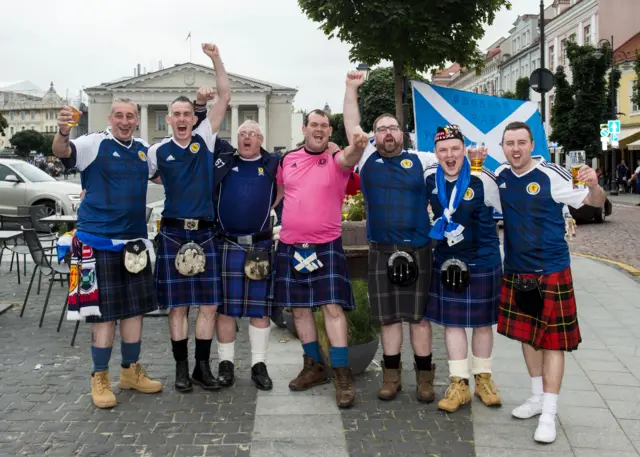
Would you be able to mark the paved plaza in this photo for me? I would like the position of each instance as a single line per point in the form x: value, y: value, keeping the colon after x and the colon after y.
x: 46, y: 410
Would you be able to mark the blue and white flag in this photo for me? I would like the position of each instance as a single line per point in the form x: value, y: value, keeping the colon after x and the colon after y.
x: 481, y: 118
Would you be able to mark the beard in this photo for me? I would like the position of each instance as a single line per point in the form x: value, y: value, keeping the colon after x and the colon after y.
x: 388, y: 146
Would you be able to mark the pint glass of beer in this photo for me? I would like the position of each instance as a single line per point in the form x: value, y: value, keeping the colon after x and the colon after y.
x: 76, y: 117
x: 476, y: 159
x: 578, y: 160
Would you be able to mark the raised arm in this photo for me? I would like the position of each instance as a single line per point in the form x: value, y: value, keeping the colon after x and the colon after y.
x: 596, y: 196
x: 351, y: 155
x: 60, y: 145
x: 219, y: 108
x: 351, y: 110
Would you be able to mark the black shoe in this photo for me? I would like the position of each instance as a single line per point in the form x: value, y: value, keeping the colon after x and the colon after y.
x: 183, y: 382
x: 260, y: 376
x: 226, y: 374
x: 203, y: 377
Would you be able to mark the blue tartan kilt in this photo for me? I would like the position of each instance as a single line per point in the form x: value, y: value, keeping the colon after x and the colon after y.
x: 241, y: 296
x: 122, y: 294
x: 176, y: 290
x: 477, y: 306
x: 327, y: 285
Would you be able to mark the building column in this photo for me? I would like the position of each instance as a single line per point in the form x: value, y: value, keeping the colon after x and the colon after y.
x: 144, y: 122
x: 262, y: 120
x: 169, y: 129
x: 234, y: 126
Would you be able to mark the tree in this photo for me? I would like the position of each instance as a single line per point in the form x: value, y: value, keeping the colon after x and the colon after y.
x: 614, y: 77
x: 377, y: 97
x: 509, y: 94
x: 562, y: 111
x: 47, y: 144
x: 522, y: 88
x: 589, y: 90
x: 3, y: 124
x: 27, y: 141
x: 415, y: 35
x: 339, y: 135
x: 636, y: 87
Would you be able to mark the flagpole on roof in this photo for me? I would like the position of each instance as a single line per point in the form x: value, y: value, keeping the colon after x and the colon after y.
x: 189, y: 38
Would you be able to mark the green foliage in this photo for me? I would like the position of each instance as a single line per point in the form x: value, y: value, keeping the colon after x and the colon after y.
x: 360, y: 327
x: 27, y: 141
x: 522, y: 88
x: 614, y: 77
x: 561, y: 111
x: 415, y: 35
x: 636, y: 87
x: 3, y: 124
x: 590, y: 100
x: 509, y: 94
x: 339, y: 135
x: 357, y: 211
x: 47, y: 144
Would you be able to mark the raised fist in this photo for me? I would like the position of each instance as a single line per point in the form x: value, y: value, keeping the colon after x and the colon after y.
x: 64, y: 117
x: 211, y: 50
x: 355, y: 78
x: 204, y: 94
x: 360, y: 140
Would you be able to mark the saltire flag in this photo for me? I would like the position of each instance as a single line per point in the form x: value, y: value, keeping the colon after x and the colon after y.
x: 481, y: 118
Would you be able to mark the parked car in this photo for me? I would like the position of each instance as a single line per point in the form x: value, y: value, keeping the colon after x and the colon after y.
x: 22, y: 184
x: 591, y: 213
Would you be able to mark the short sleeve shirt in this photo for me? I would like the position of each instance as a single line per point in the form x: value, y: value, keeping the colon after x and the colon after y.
x: 314, y: 190
x: 532, y: 206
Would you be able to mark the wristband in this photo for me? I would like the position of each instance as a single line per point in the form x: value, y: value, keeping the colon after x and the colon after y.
x: 62, y: 134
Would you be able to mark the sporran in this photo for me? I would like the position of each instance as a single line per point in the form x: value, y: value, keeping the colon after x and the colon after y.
x: 402, y: 269
x: 528, y: 295
x: 135, y: 257
x: 455, y: 275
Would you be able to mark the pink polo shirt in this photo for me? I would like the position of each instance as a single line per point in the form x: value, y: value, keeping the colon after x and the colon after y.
x: 314, y: 189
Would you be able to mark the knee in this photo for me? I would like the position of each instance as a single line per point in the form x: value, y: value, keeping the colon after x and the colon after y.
x: 333, y: 311
x: 483, y: 331
x: 301, y: 313
x: 423, y: 325
x: 208, y: 312
x: 260, y: 322
x: 178, y: 312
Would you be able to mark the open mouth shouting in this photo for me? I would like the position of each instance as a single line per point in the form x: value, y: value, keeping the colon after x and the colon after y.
x: 182, y: 129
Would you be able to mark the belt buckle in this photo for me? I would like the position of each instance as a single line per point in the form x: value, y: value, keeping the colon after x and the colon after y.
x: 245, y: 239
x: 191, y: 224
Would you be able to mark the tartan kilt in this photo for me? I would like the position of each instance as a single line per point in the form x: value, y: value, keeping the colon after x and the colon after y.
x: 477, y: 306
x: 327, y: 285
x: 122, y: 294
x: 390, y: 303
x: 241, y: 296
x: 556, y: 328
x: 175, y: 290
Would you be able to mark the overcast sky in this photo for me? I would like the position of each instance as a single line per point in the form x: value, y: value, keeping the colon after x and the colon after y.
x: 79, y: 44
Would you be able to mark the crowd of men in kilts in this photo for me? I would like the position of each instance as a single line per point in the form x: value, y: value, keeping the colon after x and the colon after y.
x: 244, y: 231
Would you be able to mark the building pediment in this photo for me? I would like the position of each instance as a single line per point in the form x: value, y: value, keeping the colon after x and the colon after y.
x: 187, y: 75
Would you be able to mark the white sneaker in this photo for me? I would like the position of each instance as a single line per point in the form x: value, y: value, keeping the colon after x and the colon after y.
x: 531, y: 407
x: 546, y: 431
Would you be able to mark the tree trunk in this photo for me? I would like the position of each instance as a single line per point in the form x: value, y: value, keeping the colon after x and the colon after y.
x: 398, y: 73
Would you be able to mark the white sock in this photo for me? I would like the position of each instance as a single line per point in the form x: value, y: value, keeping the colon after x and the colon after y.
x: 479, y: 366
x: 549, y: 407
x: 536, y: 387
x: 259, y: 338
x: 459, y: 368
x: 226, y: 351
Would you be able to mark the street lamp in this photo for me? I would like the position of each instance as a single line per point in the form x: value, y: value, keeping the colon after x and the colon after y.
x: 364, y: 68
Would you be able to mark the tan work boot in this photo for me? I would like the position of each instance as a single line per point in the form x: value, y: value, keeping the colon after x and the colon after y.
x: 135, y: 377
x: 424, y: 379
x: 312, y: 374
x: 343, y: 382
x: 101, y: 392
x: 457, y: 394
x: 486, y: 390
x: 391, y: 382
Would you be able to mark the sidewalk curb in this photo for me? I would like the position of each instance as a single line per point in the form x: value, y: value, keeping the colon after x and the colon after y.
x: 633, y: 272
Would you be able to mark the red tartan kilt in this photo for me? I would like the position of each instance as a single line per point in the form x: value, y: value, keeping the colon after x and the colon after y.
x: 556, y: 328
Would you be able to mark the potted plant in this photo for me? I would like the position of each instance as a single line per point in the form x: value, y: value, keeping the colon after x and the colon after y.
x: 361, y: 331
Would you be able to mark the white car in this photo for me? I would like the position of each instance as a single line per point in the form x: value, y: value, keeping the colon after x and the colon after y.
x: 22, y: 184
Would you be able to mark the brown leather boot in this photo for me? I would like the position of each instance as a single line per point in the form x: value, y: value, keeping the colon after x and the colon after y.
x: 424, y: 379
x: 343, y: 382
x: 312, y: 374
x: 391, y: 382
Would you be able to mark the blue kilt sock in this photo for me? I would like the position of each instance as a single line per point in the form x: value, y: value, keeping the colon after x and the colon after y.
x: 339, y: 357
x: 101, y: 357
x: 130, y: 353
x: 312, y: 350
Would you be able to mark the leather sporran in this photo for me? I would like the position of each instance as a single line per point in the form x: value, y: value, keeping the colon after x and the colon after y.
x: 528, y: 295
x: 135, y: 256
x: 257, y: 265
x: 190, y: 259
x: 455, y: 275
x: 402, y: 269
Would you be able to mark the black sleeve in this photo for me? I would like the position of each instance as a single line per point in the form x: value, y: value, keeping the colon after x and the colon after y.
x: 222, y: 146
x: 70, y: 161
x: 201, y: 115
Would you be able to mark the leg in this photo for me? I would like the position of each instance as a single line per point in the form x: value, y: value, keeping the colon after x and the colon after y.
x: 552, y: 373
x: 259, y: 331
x: 101, y: 344
x: 391, y: 336
x: 179, y: 332
x: 133, y: 374
x: 458, y: 393
x: 481, y: 366
x: 533, y: 406
x: 314, y: 372
x: 226, y: 334
x: 425, y: 370
x: 205, y: 325
x: 335, y: 323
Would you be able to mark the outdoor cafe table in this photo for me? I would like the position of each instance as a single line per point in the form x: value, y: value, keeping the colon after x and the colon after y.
x: 6, y: 235
x: 70, y: 219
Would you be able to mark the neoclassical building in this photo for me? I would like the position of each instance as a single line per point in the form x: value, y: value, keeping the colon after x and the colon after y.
x: 269, y: 104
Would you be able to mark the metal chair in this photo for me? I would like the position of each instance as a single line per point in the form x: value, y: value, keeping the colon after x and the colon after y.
x: 44, y: 232
x: 44, y: 265
x: 148, y: 214
x: 15, y: 246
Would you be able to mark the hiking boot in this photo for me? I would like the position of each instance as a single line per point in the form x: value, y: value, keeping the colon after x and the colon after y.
x: 101, y: 392
x: 183, y: 381
x: 203, y: 377
x: 135, y: 377
x: 486, y: 390
x: 424, y: 379
x: 391, y: 382
x: 457, y: 394
x: 343, y: 382
x: 312, y: 374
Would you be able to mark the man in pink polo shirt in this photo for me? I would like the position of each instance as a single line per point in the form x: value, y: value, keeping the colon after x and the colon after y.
x: 310, y: 262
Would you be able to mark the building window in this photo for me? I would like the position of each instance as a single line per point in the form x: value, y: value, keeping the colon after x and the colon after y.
x: 33, y: 115
x: 22, y: 115
x: 552, y: 57
x: 563, y: 51
x: 634, y: 90
x: 11, y: 115
x: 587, y: 34
x: 161, y: 122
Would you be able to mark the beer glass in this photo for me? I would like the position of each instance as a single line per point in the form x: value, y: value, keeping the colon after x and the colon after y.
x: 577, y: 159
x: 76, y: 117
x: 476, y: 160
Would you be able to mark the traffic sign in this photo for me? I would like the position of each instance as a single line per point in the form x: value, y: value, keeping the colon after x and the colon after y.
x: 614, y: 138
x: 614, y: 126
x: 604, y: 133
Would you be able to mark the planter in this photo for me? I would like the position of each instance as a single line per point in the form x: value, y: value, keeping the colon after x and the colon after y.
x: 354, y: 233
x: 287, y: 317
x: 360, y: 357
